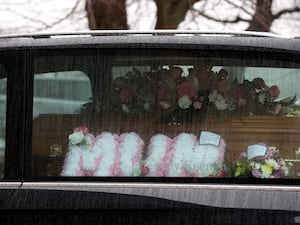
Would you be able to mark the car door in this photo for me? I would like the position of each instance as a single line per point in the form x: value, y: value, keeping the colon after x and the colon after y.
x: 12, y: 103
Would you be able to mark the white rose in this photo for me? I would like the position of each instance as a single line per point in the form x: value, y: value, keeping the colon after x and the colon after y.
x: 213, y: 96
x: 261, y: 98
x: 220, y: 103
x: 125, y: 109
x: 184, y: 102
x: 76, y: 138
x: 146, y: 106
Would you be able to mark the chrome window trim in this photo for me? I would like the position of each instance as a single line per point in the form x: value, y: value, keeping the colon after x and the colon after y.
x: 277, y: 197
x: 9, y: 185
x: 142, y: 32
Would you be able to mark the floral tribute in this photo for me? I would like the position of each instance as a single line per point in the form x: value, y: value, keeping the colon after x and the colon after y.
x: 110, y: 154
x: 184, y: 156
x: 268, y: 166
x: 106, y: 154
x: 186, y: 98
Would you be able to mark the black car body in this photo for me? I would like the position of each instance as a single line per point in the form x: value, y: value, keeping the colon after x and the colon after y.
x: 155, y: 92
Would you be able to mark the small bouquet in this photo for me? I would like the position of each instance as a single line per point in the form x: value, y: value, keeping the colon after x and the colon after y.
x: 268, y: 166
x: 80, y: 136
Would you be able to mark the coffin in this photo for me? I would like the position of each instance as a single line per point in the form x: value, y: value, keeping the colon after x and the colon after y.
x: 49, y: 130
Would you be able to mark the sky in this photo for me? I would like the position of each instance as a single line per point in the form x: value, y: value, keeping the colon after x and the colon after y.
x: 20, y: 16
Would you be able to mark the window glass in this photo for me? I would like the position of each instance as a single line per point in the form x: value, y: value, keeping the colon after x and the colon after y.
x: 60, y: 92
x: 55, y: 93
x: 163, y: 113
x: 3, y: 90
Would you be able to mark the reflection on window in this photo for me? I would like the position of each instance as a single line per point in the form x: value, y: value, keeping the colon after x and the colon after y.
x: 3, y: 88
x: 178, y: 117
x: 60, y: 93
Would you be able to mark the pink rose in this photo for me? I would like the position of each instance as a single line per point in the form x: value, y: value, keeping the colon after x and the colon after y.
x: 197, y: 105
x: 126, y: 95
x: 221, y: 173
x: 165, y: 105
x: 241, y: 102
x: 277, y: 109
x: 186, y: 88
x: 82, y: 129
x: 274, y: 92
x: 243, y: 155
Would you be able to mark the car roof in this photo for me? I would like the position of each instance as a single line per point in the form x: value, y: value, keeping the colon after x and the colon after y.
x: 186, y: 39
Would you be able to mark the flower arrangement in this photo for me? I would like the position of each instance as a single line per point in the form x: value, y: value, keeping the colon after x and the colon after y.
x: 268, y: 166
x: 165, y: 91
x: 79, y: 136
x: 181, y: 97
x: 249, y: 98
x: 111, y: 154
x: 134, y: 93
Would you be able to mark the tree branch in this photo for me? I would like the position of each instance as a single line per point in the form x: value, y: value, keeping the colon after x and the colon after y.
x: 26, y: 17
x: 240, y: 7
x: 236, y: 20
x: 286, y: 11
x: 69, y: 14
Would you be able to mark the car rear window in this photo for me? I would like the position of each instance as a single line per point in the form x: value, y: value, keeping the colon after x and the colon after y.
x: 166, y: 113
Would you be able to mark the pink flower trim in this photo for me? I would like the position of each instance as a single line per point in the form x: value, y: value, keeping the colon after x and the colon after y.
x: 130, y: 147
x: 221, y: 152
x: 113, y: 155
x: 162, y: 166
x: 83, y: 129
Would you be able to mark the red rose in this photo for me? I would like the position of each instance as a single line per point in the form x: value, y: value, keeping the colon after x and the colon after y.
x: 277, y: 109
x: 259, y: 83
x: 223, y: 74
x: 238, y: 92
x: 186, y: 88
x: 126, y: 95
x: 224, y: 86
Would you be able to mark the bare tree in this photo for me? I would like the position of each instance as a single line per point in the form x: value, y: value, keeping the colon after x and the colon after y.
x: 262, y: 18
x: 104, y: 14
x: 38, y: 15
x: 172, y: 12
x: 257, y: 13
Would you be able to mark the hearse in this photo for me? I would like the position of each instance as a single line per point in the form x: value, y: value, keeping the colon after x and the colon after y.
x: 154, y: 127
